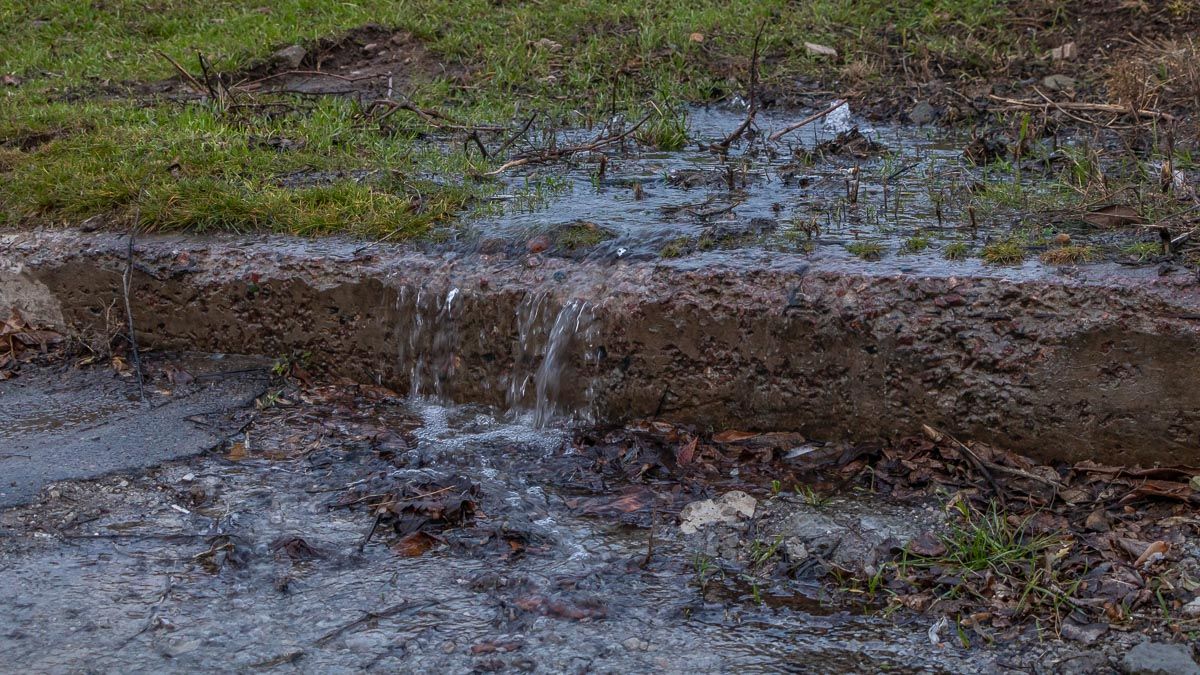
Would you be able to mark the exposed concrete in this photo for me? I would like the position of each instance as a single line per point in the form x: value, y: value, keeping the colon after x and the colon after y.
x: 1095, y: 364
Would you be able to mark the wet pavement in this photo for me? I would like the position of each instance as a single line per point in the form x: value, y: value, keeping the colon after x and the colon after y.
x: 260, y: 556
x: 65, y: 423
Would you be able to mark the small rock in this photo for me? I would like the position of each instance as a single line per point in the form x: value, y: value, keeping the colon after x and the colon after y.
x: 448, y: 647
x: 290, y: 57
x: 1156, y: 658
x: 634, y: 644
x: 1058, y: 82
x: 370, y: 47
x: 1085, y: 633
x: 366, y: 642
x: 1065, y: 52
x: 922, y: 113
x: 727, y: 509
x: 820, y: 50
x: 1192, y: 608
x: 188, y: 477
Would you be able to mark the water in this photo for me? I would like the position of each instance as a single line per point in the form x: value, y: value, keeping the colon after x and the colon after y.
x: 794, y: 195
x: 196, y: 566
x: 550, y: 333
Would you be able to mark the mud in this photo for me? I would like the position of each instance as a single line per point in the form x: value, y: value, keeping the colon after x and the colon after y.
x: 1057, y: 365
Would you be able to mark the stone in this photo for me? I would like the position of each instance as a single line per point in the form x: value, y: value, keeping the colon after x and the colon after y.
x: 1157, y: 658
x: 290, y: 57
x: 634, y: 644
x: 1192, y: 608
x: 1058, y: 82
x: 727, y: 509
x: 922, y: 113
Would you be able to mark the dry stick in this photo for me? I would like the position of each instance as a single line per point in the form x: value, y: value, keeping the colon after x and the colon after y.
x: 1084, y: 107
x: 561, y: 153
x: 126, y: 278
x: 513, y: 139
x: 806, y: 121
x: 369, y: 616
x: 752, y: 112
x: 431, y: 117
x: 188, y: 76
x: 977, y: 462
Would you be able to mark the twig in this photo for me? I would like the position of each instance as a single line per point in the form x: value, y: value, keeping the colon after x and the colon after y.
x: 369, y: 616
x: 513, y: 139
x: 431, y: 117
x: 752, y: 111
x: 370, y: 533
x: 200, y: 89
x: 971, y: 457
x: 126, y: 279
x: 561, y: 153
x: 806, y: 121
x: 1084, y: 107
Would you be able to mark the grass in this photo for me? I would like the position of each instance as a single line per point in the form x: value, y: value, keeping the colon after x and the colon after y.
x: 1143, y: 250
x: 1004, y: 252
x: 867, y: 250
x: 1070, y: 255
x: 75, y: 144
x: 956, y: 250
x: 992, y: 556
x: 915, y: 244
x: 582, y: 235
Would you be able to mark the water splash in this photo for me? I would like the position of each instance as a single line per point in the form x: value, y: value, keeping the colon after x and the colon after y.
x: 549, y: 379
x: 546, y: 342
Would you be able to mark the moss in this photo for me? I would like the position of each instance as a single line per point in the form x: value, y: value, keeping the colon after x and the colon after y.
x: 867, y: 250
x: 1006, y: 252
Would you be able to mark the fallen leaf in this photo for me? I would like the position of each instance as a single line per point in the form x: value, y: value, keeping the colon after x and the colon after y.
x: 414, y: 544
x: 927, y: 545
x: 237, y: 451
x: 733, y: 436
x: 685, y: 453
x: 1153, y: 553
x: 696, y: 37
x: 11, y: 80
x: 1113, y: 215
x: 820, y: 50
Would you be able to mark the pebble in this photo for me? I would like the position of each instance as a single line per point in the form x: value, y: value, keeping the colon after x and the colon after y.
x: 290, y: 57
x: 634, y: 644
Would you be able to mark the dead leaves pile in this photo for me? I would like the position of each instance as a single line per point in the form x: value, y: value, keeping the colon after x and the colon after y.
x: 21, y: 342
x: 1106, y: 546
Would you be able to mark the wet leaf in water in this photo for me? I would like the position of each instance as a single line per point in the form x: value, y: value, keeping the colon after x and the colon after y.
x: 685, y: 453
x: 415, y: 544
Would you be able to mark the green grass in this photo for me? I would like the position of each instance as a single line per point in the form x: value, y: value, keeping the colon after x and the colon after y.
x: 1005, y: 252
x: 956, y: 250
x: 915, y: 244
x: 867, y: 250
x: 1070, y: 255
x: 75, y: 144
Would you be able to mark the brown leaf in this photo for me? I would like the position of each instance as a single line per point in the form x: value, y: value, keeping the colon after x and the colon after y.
x: 633, y: 500
x: 685, y: 453
x: 1113, y: 215
x: 1153, y: 553
x: 733, y: 436
x: 927, y: 545
x: 237, y: 451
x: 414, y: 544
x: 1163, y: 489
x: 696, y: 37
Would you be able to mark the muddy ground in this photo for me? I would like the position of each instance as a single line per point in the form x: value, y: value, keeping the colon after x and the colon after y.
x: 345, y: 527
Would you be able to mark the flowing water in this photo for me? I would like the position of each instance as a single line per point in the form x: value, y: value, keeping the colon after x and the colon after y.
x: 197, y: 566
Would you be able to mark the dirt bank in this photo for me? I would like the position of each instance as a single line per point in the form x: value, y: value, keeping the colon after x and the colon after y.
x: 1063, y: 364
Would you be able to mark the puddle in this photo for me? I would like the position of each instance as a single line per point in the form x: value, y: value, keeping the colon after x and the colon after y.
x: 880, y: 190
x: 226, y: 563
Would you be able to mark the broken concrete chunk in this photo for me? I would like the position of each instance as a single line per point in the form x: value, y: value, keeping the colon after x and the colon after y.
x: 727, y: 509
x: 290, y: 57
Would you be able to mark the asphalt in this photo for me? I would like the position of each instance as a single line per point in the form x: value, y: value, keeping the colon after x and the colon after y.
x: 59, y: 423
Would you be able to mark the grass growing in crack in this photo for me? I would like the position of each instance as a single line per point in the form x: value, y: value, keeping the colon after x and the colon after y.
x: 1005, y: 252
x: 811, y: 497
x: 867, y: 250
